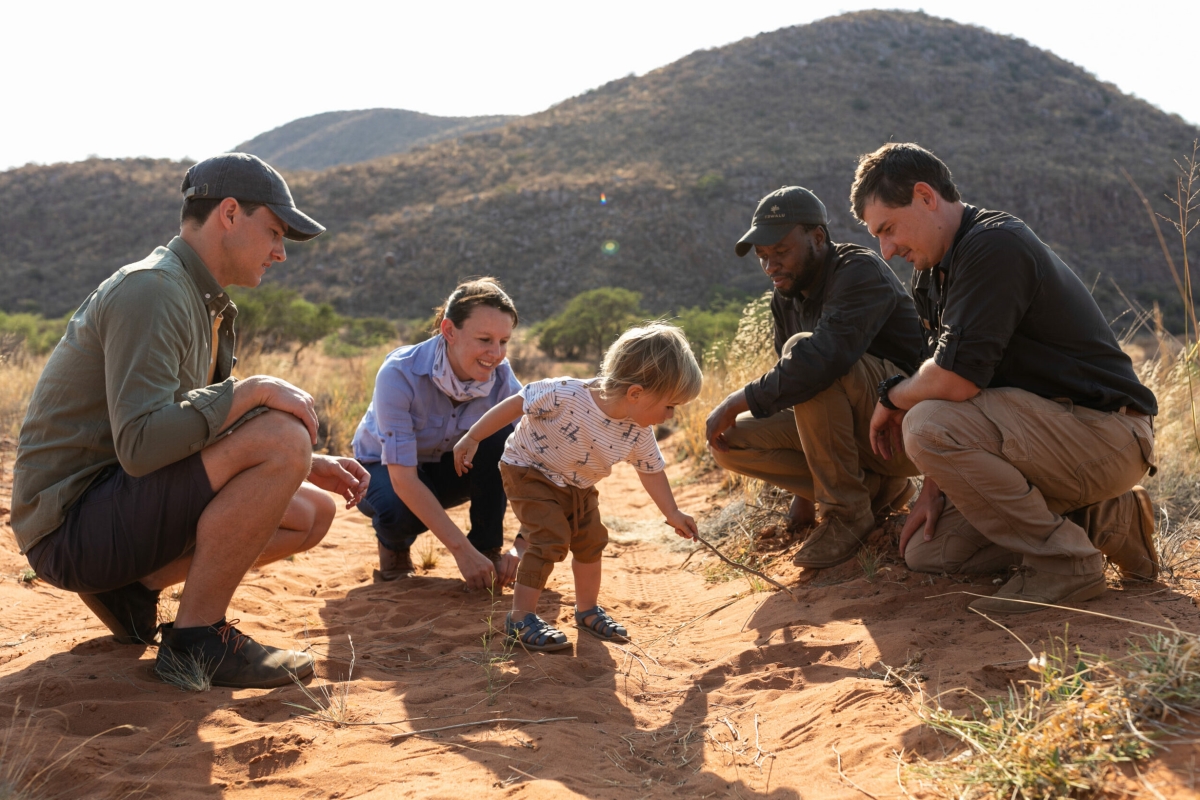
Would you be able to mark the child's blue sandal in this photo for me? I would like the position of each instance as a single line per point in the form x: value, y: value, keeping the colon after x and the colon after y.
x: 534, y: 633
x: 602, y: 625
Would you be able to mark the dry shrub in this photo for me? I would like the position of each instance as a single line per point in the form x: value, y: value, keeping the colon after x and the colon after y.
x: 728, y: 366
x: 341, y: 387
x: 1062, y: 734
x: 18, y: 376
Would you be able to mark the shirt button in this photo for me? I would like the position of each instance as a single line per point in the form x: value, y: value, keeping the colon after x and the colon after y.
x: 207, y: 296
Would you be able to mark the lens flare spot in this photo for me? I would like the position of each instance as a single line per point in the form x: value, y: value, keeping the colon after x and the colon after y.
x: 610, y: 248
x: 603, y: 199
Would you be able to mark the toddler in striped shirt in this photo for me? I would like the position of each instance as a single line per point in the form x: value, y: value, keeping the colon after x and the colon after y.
x: 570, y: 434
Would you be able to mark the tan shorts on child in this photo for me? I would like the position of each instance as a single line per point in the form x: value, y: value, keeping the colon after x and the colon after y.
x: 554, y: 520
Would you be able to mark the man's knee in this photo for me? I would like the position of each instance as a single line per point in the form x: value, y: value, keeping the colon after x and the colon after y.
x: 275, y: 439
x: 924, y: 423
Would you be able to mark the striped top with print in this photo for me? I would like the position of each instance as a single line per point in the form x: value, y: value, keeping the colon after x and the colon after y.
x: 565, y: 436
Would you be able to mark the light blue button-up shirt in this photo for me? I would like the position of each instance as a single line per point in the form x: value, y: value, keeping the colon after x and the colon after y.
x: 410, y: 420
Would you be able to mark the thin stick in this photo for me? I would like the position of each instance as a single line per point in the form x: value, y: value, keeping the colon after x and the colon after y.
x: 1069, y: 608
x: 742, y: 567
x: 481, y: 722
x: 846, y: 778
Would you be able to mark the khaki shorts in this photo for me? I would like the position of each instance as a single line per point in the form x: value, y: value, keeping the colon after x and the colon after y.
x: 554, y: 520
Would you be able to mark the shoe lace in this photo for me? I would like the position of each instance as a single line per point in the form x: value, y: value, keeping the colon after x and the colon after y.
x: 227, y: 630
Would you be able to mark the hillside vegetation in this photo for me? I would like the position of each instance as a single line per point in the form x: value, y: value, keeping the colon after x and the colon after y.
x: 681, y: 155
x: 348, y: 137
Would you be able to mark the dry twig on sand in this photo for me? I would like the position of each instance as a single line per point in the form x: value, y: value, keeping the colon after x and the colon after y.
x: 846, y: 777
x: 405, y: 735
x: 742, y: 567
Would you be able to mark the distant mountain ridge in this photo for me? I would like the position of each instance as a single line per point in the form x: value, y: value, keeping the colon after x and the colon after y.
x: 681, y: 156
x: 348, y: 137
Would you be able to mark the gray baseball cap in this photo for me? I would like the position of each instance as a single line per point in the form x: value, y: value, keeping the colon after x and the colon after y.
x: 249, y: 179
x: 779, y: 212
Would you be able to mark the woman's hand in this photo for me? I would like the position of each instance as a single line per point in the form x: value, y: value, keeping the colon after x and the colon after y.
x: 476, y: 568
x: 683, y: 524
x: 343, y: 476
x: 464, y: 453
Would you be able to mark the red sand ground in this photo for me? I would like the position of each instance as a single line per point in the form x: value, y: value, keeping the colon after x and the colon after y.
x: 727, y: 693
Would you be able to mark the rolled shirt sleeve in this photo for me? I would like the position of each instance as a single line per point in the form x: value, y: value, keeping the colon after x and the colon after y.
x: 153, y: 422
x: 857, y: 304
x: 979, y: 321
x: 392, y: 406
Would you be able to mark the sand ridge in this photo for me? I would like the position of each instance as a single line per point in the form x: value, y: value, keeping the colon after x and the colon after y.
x: 723, y: 692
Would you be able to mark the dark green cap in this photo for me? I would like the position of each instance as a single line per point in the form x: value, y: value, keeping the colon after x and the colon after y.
x: 779, y: 212
x: 249, y: 179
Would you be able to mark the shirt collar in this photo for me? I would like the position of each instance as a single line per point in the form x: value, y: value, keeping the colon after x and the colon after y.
x: 422, y: 356
x: 818, y: 285
x: 968, y: 221
x: 215, y: 297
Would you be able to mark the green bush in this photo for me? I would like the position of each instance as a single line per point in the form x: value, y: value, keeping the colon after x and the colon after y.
x: 31, y: 334
x: 590, y: 323
x: 274, y: 318
x: 710, y: 327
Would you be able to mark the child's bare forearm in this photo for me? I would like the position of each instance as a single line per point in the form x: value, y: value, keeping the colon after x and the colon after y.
x: 659, y: 489
x: 503, y: 413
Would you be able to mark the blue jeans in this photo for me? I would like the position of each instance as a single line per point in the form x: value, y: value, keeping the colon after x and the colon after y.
x: 397, y: 527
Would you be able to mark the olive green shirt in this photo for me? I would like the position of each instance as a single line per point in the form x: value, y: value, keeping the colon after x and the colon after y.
x: 126, y: 385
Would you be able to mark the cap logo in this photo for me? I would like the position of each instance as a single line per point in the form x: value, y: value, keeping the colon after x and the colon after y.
x: 774, y: 209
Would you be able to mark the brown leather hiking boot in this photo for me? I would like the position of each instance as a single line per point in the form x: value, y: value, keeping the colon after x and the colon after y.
x: 1132, y: 551
x: 833, y: 541
x: 130, y: 612
x: 393, y: 565
x: 1029, y: 587
x: 228, y: 656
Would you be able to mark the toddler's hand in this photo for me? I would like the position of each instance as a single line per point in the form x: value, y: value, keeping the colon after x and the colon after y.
x: 683, y: 524
x: 464, y: 451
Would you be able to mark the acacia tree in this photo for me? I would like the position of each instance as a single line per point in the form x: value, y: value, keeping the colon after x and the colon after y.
x: 590, y: 323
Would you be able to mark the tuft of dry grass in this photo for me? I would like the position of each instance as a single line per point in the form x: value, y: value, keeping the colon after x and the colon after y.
x: 728, y: 366
x: 429, y: 554
x: 186, y: 671
x: 341, y: 387
x: 18, y: 376
x: 1063, y: 733
x: 329, y: 702
x: 33, y: 769
x: 494, y: 658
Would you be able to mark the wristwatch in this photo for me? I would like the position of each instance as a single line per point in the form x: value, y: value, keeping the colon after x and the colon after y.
x: 884, y: 387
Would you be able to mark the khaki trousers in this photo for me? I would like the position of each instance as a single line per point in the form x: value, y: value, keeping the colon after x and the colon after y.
x: 821, y: 449
x: 1027, y: 480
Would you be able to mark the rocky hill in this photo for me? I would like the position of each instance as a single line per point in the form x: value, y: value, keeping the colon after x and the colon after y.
x: 680, y: 156
x: 348, y: 137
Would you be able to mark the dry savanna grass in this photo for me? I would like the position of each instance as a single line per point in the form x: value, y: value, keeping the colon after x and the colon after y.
x: 1063, y: 733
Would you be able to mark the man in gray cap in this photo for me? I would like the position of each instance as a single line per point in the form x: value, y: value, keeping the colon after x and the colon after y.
x: 843, y: 323
x: 143, y: 463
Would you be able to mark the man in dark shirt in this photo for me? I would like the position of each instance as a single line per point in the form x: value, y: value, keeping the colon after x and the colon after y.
x: 842, y: 323
x: 1028, y: 421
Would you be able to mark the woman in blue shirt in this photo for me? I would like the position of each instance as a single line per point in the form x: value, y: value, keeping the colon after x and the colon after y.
x: 426, y: 397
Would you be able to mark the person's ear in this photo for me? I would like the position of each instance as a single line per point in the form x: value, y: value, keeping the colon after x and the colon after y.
x: 226, y: 211
x: 448, y: 329
x: 926, y: 195
x: 634, y: 393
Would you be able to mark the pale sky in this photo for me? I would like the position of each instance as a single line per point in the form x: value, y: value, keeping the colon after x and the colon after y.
x: 169, y: 79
